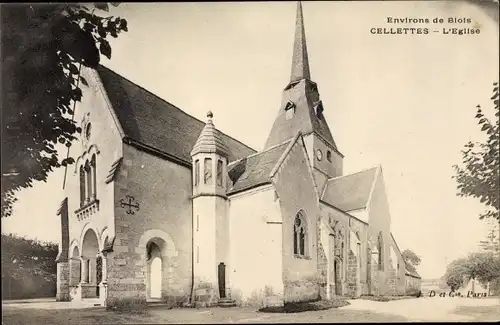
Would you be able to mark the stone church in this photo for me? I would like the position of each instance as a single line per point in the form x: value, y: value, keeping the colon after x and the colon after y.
x: 162, y: 206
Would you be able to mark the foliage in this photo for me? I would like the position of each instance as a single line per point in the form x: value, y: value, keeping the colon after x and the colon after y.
x: 27, y: 264
x: 44, y: 47
x: 484, y: 266
x: 491, y: 244
x: 410, y: 257
x: 479, y: 177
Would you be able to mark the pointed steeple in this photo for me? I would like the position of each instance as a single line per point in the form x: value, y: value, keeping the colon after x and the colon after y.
x: 300, y: 61
x: 301, y: 107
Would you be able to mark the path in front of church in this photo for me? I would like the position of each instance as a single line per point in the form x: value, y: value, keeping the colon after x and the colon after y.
x: 421, y: 309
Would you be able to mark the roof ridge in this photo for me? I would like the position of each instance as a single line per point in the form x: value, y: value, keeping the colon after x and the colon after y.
x: 260, y: 152
x: 164, y: 100
x: 358, y: 172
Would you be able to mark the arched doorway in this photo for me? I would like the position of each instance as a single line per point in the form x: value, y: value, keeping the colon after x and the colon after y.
x: 74, y: 267
x: 155, y: 268
x: 89, y: 264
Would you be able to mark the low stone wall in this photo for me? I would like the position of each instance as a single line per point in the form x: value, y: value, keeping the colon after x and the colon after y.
x: 88, y: 290
x: 306, y: 289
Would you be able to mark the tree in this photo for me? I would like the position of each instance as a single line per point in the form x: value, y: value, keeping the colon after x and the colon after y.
x: 483, y: 266
x: 479, y: 177
x: 456, y: 274
x: 455, y: 282
x: 410, y: 257
x: 491, y: 243
x: 44, y: 47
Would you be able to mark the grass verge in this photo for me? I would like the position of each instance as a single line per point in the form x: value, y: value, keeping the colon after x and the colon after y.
x: 298, y: 307
x: 386, y: 298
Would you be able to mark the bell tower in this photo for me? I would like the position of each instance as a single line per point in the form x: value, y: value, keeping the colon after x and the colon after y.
x: 210, y: 218
x: 302, y: 110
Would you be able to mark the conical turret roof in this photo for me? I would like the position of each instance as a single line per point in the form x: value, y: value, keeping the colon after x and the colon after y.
x: 210, y: 140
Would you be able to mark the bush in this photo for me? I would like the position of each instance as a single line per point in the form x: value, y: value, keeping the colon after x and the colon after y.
x: 136, y: 305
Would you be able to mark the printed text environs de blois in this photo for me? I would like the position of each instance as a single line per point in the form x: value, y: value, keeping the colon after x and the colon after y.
x: 445, y: 26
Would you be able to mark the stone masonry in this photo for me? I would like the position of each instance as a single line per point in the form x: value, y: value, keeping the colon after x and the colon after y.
x: 62, y: 293
x: 352, y: 280
x: 63, y: 282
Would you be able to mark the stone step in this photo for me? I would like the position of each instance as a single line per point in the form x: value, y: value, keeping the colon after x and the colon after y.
x: 155, y: 302
x: 226, y: 302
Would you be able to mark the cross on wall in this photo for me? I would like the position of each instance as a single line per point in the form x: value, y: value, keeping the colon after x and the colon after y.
x: 129, y: 204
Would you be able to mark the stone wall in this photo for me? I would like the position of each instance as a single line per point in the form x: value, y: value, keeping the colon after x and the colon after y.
x: 162, y: 190
x: 63, y: 282
x: 352, y: 280
x: 374, y: 275
x: 391, y: 281
x: 105, y: 142
x: 254, y: 271
x: 322, y: 266
x: 300, y: 273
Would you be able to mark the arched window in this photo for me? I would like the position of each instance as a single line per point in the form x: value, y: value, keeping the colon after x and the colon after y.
x: 88, y: 175
x: 380, y: 248
x: 208, y: 171
x: 329, y: 156
x: 82, y: 186
x: 219, y: 172
x: 300, y: 235
x: 196, y: 172
x: 94, y: 176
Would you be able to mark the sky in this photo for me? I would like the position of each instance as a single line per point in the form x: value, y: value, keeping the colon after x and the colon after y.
x: 406, y: 102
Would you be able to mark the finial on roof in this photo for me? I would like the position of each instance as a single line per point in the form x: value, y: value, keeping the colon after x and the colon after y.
x: 300, y: 60
x: 210, y: 140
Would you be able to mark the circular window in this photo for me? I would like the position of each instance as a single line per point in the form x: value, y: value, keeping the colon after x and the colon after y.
x: 88, y: 129
x: 319, y: 154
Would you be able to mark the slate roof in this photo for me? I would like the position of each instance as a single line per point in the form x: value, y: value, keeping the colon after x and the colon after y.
x: 350, y: 192
x: 254, y: 170
x: 152, y: 121
x: 411, y: 271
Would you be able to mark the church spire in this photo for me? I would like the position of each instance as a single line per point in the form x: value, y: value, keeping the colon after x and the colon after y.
x: 300, y: 61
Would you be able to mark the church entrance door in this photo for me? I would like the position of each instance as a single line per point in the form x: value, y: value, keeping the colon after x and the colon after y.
x: 155, y: 278
x: 222, y: 280
x: 154, y: 271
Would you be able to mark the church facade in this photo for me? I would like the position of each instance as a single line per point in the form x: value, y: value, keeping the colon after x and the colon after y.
x: 162, y: 206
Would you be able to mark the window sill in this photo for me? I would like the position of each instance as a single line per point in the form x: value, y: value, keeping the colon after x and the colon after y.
x: 301, y: 257
x: 87, y: 209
